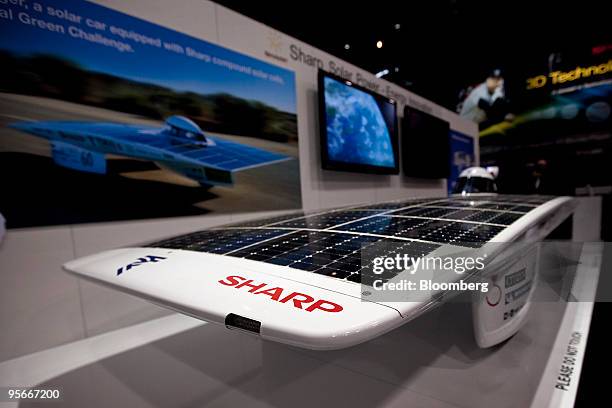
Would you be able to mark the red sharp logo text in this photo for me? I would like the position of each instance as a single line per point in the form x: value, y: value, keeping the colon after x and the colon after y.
x: 297, y: 299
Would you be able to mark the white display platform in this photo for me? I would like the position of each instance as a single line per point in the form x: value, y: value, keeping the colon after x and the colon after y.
x: 431, y: 362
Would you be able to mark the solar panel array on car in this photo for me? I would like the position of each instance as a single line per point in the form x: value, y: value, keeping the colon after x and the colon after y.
x: 331, y: 243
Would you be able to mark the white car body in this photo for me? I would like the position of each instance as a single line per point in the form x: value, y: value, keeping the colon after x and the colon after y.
x: 303, y: 308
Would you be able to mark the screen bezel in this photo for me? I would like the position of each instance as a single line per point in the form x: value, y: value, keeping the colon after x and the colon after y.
x: 407, y: 148
x: 336, y: 165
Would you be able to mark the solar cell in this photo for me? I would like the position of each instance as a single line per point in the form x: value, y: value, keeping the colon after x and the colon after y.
x: 390, y: 205
x: 475, y: 215
x: 218, y: 241
x: 471, y: 215
x: 522, y: 208
x: 522, y: 199
x: 506, y: 207
x: 268, y: 221
x: 385, y: 225
x: 337, y: 255
x: 448, y: 232
x: 462, y: 234
x: 504, y: 218
x: 458, y: 203
x: 428, y: 212
x: 327, y: 220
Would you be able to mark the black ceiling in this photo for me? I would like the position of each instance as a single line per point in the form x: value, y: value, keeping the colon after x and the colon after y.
x: 441, y: 45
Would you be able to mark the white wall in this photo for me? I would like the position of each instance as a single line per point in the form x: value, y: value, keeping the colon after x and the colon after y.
x: 41, y: 306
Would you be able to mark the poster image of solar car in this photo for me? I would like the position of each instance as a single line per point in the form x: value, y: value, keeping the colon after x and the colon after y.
x: 180, y: 146
x: 180, y: 125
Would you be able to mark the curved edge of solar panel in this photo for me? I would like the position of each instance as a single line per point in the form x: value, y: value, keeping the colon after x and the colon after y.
x: 292, y: 285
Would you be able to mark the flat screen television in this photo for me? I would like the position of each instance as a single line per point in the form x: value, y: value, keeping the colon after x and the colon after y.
x: 425, y: 145
x: 358, y: 128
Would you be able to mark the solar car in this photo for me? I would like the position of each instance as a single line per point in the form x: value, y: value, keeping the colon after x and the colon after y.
x: 180, y: 146
x: 307, y: 279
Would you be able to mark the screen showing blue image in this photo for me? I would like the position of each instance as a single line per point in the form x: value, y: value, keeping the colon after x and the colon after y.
x: 360, y: 127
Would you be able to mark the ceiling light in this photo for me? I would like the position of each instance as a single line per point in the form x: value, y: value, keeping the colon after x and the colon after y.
x: 347, y: 46
x: 379, y: 44
x: 397, y: 26
x: 382, y: 73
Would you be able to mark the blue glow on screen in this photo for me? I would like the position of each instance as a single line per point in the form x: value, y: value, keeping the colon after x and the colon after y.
x: 358, y: 127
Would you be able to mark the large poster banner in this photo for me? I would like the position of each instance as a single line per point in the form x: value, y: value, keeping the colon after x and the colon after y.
x: 104, y: 116
x: 558, y: 140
